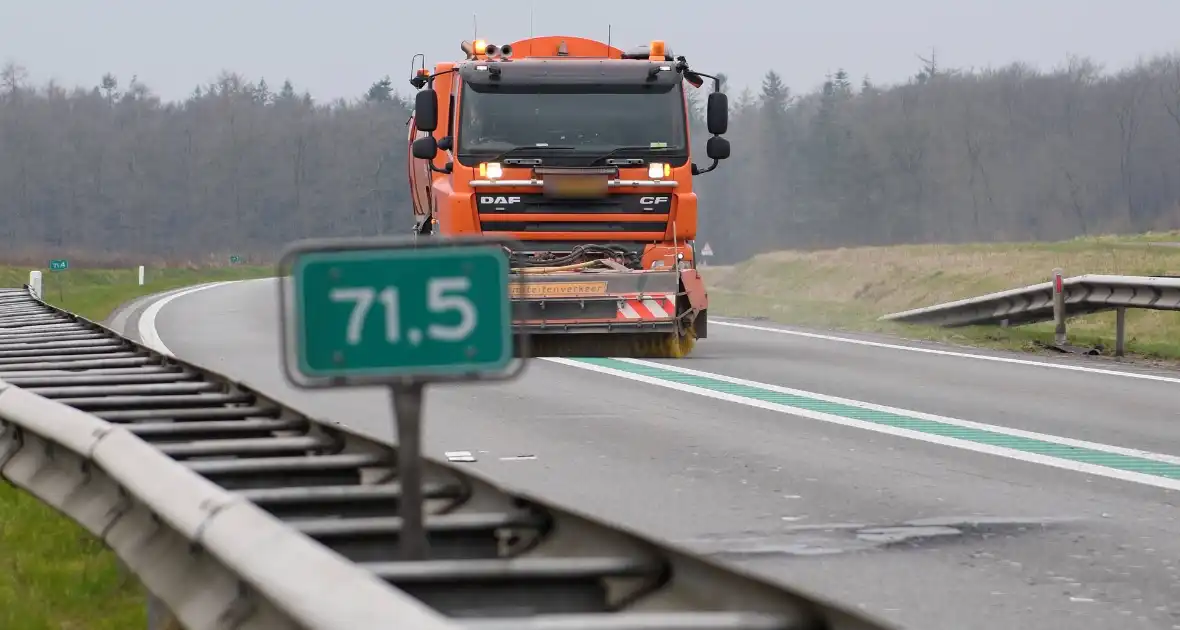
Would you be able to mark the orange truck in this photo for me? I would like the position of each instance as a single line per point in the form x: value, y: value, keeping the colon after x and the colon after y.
x: 581, y: 153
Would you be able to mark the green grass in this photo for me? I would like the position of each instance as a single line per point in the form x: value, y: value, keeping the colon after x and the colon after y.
x: 55, y: 575
x: 95, y: 293
x: 848, y: 289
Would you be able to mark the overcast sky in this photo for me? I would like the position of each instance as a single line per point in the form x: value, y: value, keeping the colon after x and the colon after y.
x: 338, y: 48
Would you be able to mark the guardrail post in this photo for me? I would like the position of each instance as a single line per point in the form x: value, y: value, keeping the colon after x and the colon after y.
x: 1059, y: 307
x: 1120, y: 329
x: 35, y: 282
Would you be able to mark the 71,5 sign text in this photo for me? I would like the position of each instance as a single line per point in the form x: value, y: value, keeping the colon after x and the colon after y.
x: 437, y: 299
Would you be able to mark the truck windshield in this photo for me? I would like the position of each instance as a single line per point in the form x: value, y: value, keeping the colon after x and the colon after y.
x: 585, y: 119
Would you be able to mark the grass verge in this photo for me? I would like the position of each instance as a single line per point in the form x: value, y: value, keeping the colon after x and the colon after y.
x: 55, y: 575
x: 848, y: 289
x: 95, y: 293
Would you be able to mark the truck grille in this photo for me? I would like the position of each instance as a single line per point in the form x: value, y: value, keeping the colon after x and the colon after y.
x: 532, y: 215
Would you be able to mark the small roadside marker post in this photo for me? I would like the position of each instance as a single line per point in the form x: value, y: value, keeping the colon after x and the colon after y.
x: 35, y: 283
x: 400, y: 314
x: 1059, y: 338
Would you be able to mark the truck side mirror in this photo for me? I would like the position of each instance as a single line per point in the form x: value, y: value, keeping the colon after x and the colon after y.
x: 717, y: 113
x: 425, y: 148
x: 717, y: 148
x: 426, y: 110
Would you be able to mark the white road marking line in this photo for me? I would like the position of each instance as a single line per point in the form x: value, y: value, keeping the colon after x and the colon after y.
x: 1033, y: 458
x: 966, y: 424
x: 779, y: 331
x: 148, y: 334
x: 119, y: 321
x: 147, y: 324
x: 949, y: 353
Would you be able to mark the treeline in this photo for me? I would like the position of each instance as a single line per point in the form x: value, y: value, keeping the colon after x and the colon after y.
x: 951, y: 156
x: 238, y: 168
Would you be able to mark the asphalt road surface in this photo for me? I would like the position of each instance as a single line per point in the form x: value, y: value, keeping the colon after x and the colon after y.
x: 934, y: 487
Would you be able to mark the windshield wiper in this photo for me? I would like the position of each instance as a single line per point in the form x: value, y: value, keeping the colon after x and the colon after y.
x: 526, y: 147
x: 614, y: 152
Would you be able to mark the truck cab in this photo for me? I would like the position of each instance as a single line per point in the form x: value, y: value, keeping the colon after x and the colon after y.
x: 574, y: 148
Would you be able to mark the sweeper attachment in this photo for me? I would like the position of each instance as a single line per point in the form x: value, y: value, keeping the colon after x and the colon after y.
x: 600, y: 307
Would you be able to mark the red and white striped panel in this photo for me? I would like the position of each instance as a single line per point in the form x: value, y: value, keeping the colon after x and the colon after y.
x: 647, y: 307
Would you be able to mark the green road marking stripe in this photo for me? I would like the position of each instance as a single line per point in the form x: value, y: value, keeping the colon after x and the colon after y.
x: 979, y: 436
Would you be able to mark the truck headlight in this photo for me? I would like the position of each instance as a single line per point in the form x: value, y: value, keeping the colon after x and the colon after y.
x: 491, y: 170
x: 659, y: 170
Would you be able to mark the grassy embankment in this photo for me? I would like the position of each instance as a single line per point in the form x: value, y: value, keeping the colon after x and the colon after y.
x: 848, y: 289
x: 54, y: 575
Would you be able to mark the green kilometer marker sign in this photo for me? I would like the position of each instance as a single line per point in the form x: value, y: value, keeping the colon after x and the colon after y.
x: 401, y: 313
x: 59, y: 264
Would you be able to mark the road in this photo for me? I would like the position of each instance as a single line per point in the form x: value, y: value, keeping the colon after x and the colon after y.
x: 942, y: 489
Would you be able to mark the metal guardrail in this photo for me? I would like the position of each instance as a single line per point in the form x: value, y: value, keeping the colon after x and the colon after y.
x: 236, y: 511
x: 1056, y: 301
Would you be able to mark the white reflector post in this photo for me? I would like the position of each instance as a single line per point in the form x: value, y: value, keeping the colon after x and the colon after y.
x: 35, y: 282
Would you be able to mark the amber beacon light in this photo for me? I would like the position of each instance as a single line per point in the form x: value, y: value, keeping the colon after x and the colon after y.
x: 657, y: 50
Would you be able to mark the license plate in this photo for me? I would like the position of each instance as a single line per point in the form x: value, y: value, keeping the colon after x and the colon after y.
x: 579, y: 186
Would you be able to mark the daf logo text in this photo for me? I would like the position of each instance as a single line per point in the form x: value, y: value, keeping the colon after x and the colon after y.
x: 499, y: 200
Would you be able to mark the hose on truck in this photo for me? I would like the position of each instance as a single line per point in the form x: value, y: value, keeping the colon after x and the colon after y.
x: 580, y: 257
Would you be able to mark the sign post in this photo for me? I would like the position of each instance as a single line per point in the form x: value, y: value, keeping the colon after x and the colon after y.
x: 60, y: 264
x: 398, y: 313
